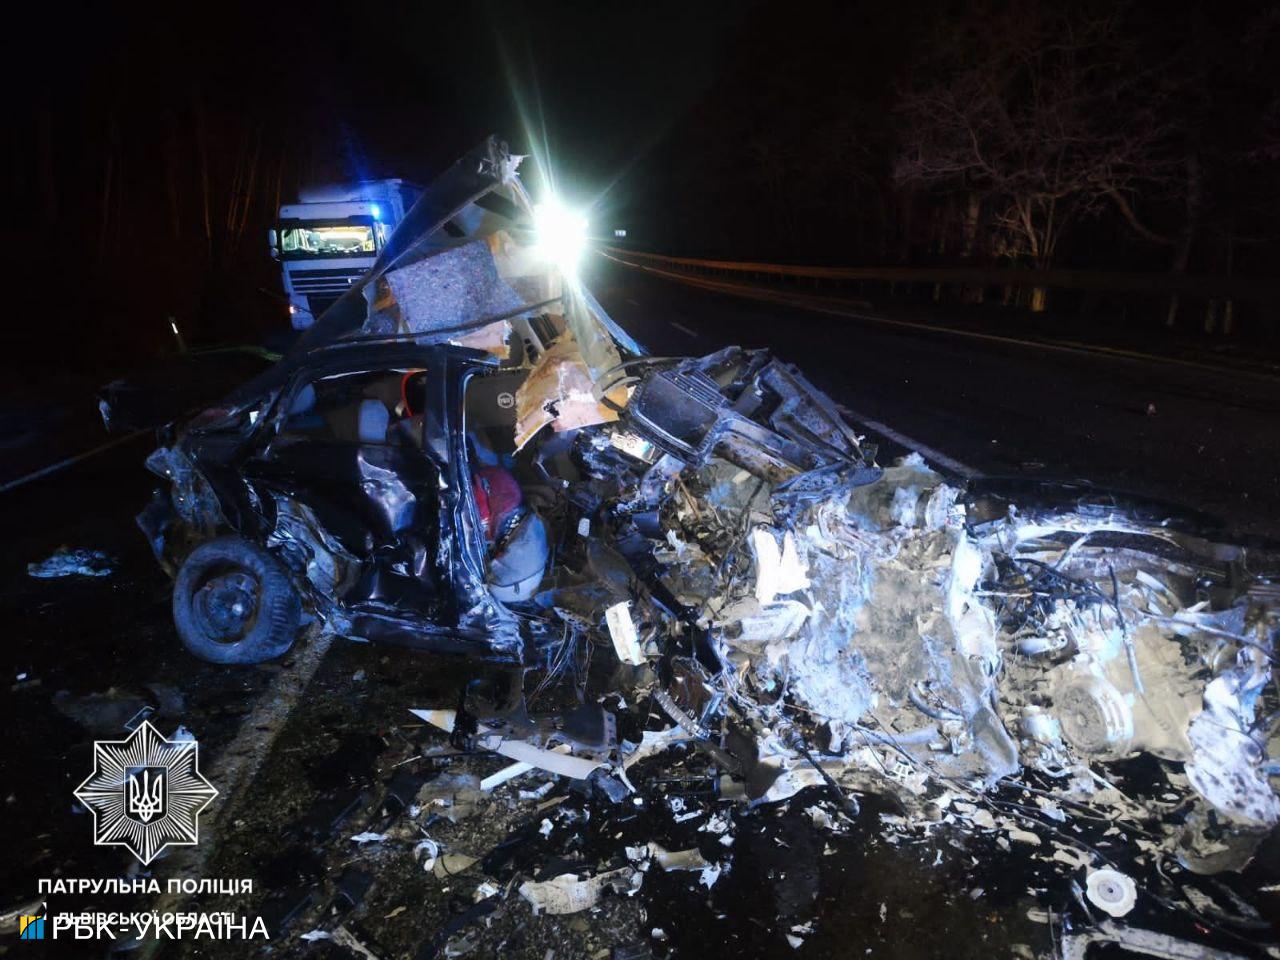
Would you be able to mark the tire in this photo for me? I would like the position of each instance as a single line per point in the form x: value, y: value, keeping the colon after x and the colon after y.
x: 233, y: 603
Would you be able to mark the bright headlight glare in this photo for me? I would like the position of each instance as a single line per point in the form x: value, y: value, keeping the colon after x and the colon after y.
x: 561, y: 235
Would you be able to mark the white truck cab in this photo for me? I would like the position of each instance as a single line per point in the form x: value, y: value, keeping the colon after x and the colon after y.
x: 327, y: 240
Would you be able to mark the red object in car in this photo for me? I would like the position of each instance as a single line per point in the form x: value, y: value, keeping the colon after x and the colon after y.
x: 497, y: 494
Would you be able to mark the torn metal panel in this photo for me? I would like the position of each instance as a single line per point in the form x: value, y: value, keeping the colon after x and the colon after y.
x: 745, y: 408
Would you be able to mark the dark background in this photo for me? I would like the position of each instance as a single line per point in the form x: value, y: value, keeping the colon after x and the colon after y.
x: 150, y: 148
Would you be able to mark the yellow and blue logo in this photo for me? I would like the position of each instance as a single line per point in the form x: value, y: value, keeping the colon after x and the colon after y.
x: 30, y: 928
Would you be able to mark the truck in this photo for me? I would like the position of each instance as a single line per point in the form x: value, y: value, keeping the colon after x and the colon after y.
x: 328, y: 239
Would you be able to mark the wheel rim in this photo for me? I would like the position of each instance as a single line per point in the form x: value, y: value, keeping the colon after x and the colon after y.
x: 228, y: 605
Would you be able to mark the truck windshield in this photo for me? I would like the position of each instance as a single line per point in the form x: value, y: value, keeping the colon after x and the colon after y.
x: 327, y: 240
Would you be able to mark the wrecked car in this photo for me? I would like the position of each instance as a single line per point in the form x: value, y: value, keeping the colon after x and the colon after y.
x: 467, y: 455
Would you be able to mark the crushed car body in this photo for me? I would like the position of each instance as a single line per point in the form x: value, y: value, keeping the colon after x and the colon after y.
x: 467, y: 455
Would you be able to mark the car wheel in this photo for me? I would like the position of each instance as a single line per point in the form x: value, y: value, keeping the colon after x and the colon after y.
x: 233, y: 603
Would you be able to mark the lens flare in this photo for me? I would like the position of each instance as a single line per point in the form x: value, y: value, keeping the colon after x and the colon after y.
x: 561, y: 235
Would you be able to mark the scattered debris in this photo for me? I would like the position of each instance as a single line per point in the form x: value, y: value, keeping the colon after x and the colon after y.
x: 1075, y: 946
x: 1111, y: 891
x: 567, y: 894
x: 66, y: 562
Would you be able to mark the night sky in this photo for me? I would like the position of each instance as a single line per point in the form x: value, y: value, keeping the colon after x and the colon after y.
x: 403, y: 89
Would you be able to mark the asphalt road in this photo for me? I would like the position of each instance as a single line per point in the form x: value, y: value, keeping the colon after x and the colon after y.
x: 1201, y: 437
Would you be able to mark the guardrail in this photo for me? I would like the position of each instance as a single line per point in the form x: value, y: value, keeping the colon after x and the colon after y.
x: 1206, y: 287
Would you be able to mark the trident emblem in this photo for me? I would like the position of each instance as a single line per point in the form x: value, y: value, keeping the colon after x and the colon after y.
x: 145, y: 793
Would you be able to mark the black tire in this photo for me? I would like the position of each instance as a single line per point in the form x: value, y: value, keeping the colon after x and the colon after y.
x: 233, y: 603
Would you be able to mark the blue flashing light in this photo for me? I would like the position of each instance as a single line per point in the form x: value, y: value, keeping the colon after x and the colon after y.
x: 375, y: 210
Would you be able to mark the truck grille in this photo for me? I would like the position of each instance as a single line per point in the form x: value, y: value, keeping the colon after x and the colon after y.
x: 331, y: 282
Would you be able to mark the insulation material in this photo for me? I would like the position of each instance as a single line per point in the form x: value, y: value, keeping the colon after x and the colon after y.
x: 454, y: 287
x: 521, y: 267
x: 558, y: 391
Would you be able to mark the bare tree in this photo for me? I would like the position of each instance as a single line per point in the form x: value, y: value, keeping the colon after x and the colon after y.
x: 1033, y: 112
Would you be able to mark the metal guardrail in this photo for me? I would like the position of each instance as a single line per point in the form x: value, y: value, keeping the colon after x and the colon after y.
x: 1207, y: 287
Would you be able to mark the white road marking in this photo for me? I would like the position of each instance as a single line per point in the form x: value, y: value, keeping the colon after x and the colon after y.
x: 69, y: 461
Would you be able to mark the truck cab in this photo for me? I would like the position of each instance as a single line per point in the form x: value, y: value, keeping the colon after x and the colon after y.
x: 327, y: 240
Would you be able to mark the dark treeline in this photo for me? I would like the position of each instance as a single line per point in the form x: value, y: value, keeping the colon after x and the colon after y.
x: 149, y: 153
x: 1094, y: 135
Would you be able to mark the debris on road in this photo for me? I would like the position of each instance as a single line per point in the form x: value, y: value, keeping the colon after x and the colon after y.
x: 568, y: 894
x: 1111, y: 891
x: 66, y: 562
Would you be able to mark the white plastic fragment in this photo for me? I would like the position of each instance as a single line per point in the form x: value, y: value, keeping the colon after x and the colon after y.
x: 427, y: 850
x: 567, y: 894
x: 779, y: 569
x: 710, y: 874
x: 780, y: 620
x: 654, y: 742
x: 820, y: 818
x: 622, y: 631
x: 1023, y: 836
x: 577, y: 768
x: 538, y: 792
x: 369, y: 837
x: 503, y: 775
x: 1111, y: 891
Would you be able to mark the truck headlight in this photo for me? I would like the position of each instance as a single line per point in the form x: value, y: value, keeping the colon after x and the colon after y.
x: 561, y: 235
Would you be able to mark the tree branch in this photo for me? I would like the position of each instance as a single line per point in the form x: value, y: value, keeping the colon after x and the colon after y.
x: 1131, y: 218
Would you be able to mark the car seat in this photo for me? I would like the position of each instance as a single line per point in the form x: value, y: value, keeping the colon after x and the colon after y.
x: 373, y: 421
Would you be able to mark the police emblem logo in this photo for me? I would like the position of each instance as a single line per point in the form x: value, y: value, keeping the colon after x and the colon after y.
x: 146, y: 792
